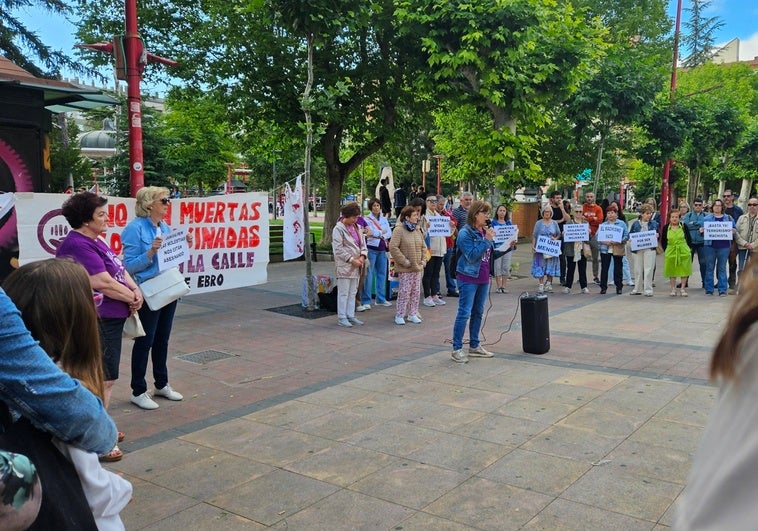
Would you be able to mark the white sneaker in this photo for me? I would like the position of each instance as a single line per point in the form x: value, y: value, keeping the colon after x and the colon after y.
x: 458, y: 356
x: 169, y: 393
x: 144, y: 401
x: 566, y: 290
x: 362, y: 308
x: 385, y: 303
x: 585, y: 290
x: 399, y: 320
x: 549, y: 287
x: 480, y: 352
x: 355, y: 320
x: 541, y: 288
x: 429, y: 302
x: 345, y: 323
x: 415, y: 319
x: 438, y: 301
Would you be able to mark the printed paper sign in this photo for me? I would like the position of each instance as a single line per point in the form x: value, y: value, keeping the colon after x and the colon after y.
x: 505, y: 234
x: 644, y: 240
x: 717, y: 230
x: 547, y: 246
x: 174, y: 250
x: 511, y: 236
x: 576, y: 232
x: 609, y: 233
x: 439, y: 226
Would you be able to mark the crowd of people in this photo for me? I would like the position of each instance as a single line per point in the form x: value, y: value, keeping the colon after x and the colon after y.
x: 369, y: 252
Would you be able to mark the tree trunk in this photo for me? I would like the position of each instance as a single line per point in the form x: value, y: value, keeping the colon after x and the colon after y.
x: 745, y: 192
x: 306, y: 184
x: 599, y: 165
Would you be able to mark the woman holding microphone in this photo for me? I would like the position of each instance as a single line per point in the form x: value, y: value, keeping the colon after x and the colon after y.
x: 474, y: 245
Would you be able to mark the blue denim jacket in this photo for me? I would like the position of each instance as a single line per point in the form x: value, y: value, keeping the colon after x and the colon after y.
x: 694, y: 222
x: 471, y: 248
x: 34, y: 386
x: 137, y: 238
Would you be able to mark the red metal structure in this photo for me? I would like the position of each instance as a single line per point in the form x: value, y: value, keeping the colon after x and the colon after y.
x: 665, y: 193
x: 134, y: 57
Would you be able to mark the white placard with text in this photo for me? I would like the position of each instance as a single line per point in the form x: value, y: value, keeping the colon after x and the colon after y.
x: 717, y: 230
x: 545, y: 245
x: 439, y: 226
x: 609, y: 233
x: 174, y: 250
x: 576, y: 232
x: 643, y: 240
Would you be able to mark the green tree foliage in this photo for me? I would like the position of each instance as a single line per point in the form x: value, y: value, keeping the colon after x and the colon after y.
x: 699, y: 34
x: 67, y: 160
x: 513, y: 58
x: 197, y: 139
x: 24, y: 47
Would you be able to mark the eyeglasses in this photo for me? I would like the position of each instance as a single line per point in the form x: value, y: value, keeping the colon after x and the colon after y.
x: 165, y: 200
x: 726, y: 195
x: 433, y: 201
x: 752, y: 204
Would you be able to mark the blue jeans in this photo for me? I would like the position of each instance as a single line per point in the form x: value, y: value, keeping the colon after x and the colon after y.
x: 154, y: 344
x: 377, y: 269
x: 699, y: 250
x: 718, y: 259
x: 450, y: 281
x: 471, y: 300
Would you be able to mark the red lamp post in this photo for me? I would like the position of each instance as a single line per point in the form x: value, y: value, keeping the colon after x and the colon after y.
x: 129, y: 66
x: 665, y: 193
x: 439, y: 171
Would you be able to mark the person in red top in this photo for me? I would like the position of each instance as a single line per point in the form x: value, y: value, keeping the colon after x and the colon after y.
x: 593, y: 214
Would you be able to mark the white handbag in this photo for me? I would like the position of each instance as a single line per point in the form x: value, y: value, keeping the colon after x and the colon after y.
x: 133, y: 327
x: 164, y: 289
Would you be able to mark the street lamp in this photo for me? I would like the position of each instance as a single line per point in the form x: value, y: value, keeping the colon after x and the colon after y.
x: 665, y: 202
x: 276, y: 196
x: 425, y: 166
x: 439, y: 170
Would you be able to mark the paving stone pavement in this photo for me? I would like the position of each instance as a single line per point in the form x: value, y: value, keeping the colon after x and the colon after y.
x: 305, y: 425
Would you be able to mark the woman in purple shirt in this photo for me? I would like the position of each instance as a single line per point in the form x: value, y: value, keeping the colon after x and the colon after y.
x: 86, y: 214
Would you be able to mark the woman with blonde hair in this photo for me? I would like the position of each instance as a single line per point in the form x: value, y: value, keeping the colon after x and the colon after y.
x: 142, y: 238
x: 408, y: 250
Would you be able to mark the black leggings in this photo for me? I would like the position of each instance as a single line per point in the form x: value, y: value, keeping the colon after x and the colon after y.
x: 431, y: 271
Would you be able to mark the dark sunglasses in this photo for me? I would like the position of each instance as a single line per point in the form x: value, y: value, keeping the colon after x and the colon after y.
x: 434, y: 201
x: 165, y: 200
x: 752, y: 204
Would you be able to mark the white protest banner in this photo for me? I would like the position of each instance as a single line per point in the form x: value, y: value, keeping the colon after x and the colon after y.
x: 439, y: 226
x: 231, y: 238
x: 717, y: 230
x: 576, y: 232
x: 547, y: 246
x: 173, y: 251
x: 609, y: 233
x: 504, y: 234
x: 643, y: 240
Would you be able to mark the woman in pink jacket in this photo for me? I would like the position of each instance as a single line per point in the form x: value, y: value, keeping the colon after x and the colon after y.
x: 350, y: 253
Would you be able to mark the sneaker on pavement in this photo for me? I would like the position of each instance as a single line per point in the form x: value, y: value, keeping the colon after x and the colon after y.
x: 415, y: 319
x: 596, y: 281
x: 429, y: 302
x: 355, y: 320
x: 452, y: 293
x: 362, y: 308
x: 541, y: 288
x: 399, y: 320
x: 437, y: 301
x: 566, y: 290
x: 480, y: 352
x: 144, y: 401
x: 585, y: 290
x: 635, y: 292
x: 549, y: 287
x: 169, y: 393
x: 459, y: 356
x: 385, y: 303
x: 345, y: 323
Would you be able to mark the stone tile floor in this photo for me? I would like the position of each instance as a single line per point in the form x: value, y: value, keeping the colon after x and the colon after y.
x: 308, y: 426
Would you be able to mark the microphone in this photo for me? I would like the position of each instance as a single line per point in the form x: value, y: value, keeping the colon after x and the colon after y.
x: 488, y: 222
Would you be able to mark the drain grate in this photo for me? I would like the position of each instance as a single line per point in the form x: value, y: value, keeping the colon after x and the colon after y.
x: 206, y: 356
